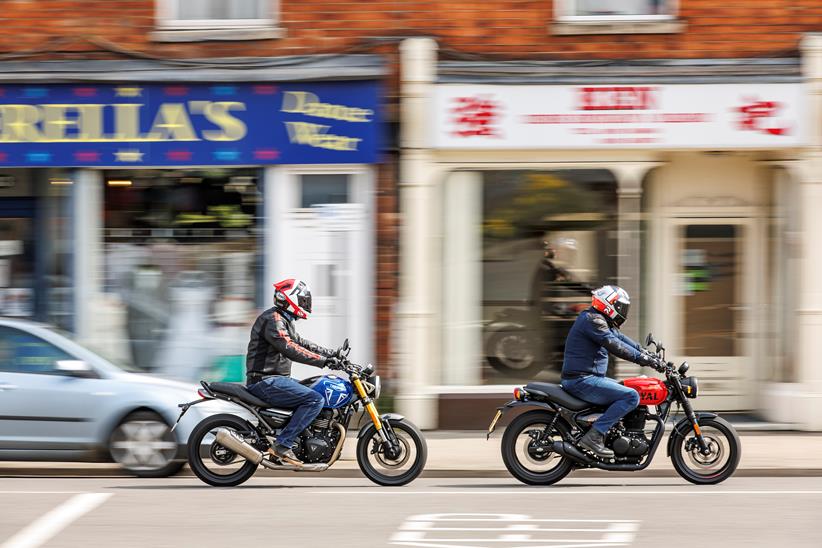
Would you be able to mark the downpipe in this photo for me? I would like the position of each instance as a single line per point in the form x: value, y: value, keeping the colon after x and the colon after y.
x: 230, y: 441
x: 567, y: 450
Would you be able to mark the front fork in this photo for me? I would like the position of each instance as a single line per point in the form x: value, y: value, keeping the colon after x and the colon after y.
x: 689, y: 413
x: 384, y: 429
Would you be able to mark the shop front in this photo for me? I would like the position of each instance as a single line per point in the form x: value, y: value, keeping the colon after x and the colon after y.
x: 680, y: 192
x: 175, y: 205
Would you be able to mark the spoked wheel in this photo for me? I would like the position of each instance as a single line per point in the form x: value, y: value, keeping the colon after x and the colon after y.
x: 392, y: 468
x: 144, y: 445
x: 527, y: 452
x: 211, y: 462
x: 721, y: 460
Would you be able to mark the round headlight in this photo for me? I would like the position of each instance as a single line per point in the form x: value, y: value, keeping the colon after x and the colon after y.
x: 377, y: 387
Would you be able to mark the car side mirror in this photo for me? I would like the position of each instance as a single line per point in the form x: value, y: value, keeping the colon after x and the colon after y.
x: 76, y: 368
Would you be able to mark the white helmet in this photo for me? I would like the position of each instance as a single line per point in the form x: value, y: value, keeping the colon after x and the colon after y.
x: 613, y: 301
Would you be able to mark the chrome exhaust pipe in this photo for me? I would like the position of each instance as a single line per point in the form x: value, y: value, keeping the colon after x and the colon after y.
x: 230, y: 441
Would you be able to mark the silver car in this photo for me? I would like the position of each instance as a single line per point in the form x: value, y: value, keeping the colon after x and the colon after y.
x: 61, y: 402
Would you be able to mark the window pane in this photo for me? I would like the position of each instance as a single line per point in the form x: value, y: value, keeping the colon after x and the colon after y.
x: 623, y: 7
x: 324, y: 189
x: 546, y: 240
x: 710, y: 289
x: 220, y: 9
x: 21, y: 352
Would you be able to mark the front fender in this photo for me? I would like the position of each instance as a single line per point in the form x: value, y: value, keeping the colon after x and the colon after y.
x: 385, y: 417
x: 683, y: 424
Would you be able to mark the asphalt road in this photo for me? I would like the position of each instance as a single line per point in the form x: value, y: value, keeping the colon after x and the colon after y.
x: 435, y: 512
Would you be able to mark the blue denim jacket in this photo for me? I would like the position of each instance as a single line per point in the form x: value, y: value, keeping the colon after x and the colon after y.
x: 590, y: 340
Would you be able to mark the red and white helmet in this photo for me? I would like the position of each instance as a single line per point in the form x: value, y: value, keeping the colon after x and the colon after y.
x: 293, y: 296
x: 613, y: 301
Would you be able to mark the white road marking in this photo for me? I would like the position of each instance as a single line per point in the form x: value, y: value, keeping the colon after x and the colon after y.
x: 425, y: 530
x: 557, y: 492
x: 40, y: 492
x: 42, y: 529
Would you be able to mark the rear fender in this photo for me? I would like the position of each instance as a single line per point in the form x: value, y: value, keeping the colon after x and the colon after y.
x: 529, y: 403
x: 683, y: 426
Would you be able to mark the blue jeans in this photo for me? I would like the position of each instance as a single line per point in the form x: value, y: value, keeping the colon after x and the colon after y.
x: 603, y: 391
x: 280, y: 391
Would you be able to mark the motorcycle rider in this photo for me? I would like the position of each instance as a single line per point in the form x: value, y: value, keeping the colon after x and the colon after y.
x: 595, y: 333
x: 273, y: 345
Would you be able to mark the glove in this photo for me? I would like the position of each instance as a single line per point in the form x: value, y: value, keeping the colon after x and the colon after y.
x: 333, y: 362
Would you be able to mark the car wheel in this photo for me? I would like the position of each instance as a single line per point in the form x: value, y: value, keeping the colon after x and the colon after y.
x: 144, y: 445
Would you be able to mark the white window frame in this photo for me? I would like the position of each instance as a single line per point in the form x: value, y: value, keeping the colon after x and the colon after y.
x: 564, y: 11
x: 167, y: 18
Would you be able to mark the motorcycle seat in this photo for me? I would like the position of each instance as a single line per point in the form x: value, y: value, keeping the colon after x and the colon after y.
x: 237, y: 391
x: 555, y: 393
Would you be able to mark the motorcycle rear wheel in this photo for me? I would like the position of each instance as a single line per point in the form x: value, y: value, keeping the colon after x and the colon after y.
x: 515, y: 449
x: 225, y: 469
x: 719, y: 465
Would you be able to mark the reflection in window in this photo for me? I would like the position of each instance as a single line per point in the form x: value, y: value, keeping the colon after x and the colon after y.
x: 22, y: 352
x: 323, y: 189
x: 545, y: 243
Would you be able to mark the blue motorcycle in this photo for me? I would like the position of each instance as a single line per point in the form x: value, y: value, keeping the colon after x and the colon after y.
x: 226, y: 449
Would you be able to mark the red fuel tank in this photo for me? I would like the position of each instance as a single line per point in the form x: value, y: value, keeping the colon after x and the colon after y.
x: 652, y: 391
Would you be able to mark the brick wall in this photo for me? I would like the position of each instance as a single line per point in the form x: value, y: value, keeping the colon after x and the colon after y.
x: 503, y: 28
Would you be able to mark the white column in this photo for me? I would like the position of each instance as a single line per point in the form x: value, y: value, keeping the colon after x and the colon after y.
x: 809, y: 315
x: 462, y: 283
x: 416, y: 317
x: 87, y: 225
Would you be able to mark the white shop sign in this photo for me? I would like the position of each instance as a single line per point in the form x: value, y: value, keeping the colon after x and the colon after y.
x: 619, y: 116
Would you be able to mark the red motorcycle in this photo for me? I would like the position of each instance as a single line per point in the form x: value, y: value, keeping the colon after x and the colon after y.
x: 539, y: 447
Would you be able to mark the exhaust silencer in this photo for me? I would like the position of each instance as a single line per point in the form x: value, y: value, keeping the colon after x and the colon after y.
x: 230, y: 441
x: 567, y: 450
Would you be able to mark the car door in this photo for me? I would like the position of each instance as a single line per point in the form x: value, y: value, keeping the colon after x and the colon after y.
x: 43, y: 404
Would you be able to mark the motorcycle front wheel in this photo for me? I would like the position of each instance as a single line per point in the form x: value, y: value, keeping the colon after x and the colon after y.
x: 718, y: 464
x: 527, y: 453
x: 387, y: 468
x: 211, y: 462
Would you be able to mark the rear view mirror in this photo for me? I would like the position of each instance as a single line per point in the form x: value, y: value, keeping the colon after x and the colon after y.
x: 649, y: 340
x: 75, y: 368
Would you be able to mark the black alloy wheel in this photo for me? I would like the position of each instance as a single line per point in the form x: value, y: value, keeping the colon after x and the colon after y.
x: 722, y: 459
x: 527, y: 453
x: 392, y: 468
x: 211, y: 462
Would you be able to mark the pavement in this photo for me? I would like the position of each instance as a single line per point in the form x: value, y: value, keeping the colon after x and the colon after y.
x: 467, y: 453
x: 312, y: 510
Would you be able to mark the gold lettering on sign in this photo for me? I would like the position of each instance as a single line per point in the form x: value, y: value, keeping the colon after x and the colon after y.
x: 232, y: 128
x: 316, y: 135
x: 172, y: 124
x: 305, y: 102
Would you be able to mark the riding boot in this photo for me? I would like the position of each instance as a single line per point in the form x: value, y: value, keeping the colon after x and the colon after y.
x: 594, y: 442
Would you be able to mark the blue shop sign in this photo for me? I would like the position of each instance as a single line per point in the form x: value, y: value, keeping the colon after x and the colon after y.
x: 193, y: 124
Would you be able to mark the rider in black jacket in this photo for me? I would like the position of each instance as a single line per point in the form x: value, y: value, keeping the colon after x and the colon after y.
x: 273, y: 345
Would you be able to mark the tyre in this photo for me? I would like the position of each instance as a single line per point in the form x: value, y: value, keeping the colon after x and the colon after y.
x: 530, y: 458
x: 719, y: 464
x: 514, y: 353
x: 144, y: 445
x: 213, y: 463
x: 387, y: 469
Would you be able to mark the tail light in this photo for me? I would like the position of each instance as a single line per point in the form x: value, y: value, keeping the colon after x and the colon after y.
x: 520, y: 394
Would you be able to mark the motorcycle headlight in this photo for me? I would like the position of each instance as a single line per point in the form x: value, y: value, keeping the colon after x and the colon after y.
x: 690, y: 386
x: 377, y: 386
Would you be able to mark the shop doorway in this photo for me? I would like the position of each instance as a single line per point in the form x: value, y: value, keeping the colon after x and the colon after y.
x: 17, y: 258
x: 715, y: 277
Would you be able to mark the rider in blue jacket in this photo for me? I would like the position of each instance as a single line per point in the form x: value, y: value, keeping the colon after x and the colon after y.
x: 593, y: 336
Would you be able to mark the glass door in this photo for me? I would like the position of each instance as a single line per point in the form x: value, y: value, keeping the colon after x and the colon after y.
x: 714, y: 293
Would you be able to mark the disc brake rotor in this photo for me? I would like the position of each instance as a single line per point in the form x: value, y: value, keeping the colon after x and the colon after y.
x: 405, y: 453
x: 715, y: 452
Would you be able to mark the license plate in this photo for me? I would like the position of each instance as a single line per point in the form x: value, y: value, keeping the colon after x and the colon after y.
x: 494, y: 422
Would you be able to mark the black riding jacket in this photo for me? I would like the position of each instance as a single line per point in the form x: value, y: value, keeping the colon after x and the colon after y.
x: 275, y: 343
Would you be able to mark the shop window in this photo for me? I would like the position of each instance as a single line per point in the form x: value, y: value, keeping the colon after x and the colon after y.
x: 615, y: 9
x: 323, y: 189
x: 182, y: 259
x: 522, y: 251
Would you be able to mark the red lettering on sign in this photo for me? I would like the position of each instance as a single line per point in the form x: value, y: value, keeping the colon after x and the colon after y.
x: 617, y: 98
x: 758, y: 116
x: 475, y: 116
